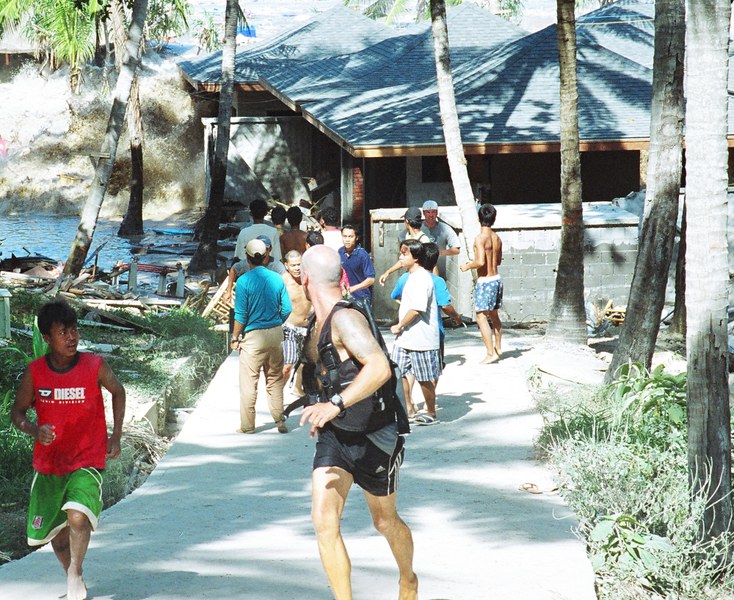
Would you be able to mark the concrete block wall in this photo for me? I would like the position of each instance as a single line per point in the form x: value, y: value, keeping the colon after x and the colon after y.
x: 531, y: 237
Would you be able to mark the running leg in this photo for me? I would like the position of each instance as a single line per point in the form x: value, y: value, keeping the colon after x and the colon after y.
x: 80, y: 530
x: 330, y: 489
x: 387, y: 521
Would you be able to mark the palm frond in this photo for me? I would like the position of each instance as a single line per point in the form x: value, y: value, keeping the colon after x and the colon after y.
x: 12, y: 11
x: 71, y: 33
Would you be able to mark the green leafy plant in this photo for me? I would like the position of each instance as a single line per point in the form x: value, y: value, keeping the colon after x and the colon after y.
x: 166, y: 19
x: 207, y: 34
x: 619, y: 541
x: 652, y: 404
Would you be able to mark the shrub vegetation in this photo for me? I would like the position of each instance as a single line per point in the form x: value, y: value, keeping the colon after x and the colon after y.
x: 621, y: 460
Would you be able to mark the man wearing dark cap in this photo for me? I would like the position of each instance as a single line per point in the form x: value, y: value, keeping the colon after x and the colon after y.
x: 413, y: 222
x: 261, y: 307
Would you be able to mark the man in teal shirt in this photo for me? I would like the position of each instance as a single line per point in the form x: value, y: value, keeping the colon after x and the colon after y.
x: 261, y: 307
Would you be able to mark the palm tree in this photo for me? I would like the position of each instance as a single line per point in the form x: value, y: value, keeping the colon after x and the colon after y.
x: 88, y: 223
x: 655, y: 252
x: 205, y: 257
x: 707, y: 268
x: 451, y: 132
x: 132, y: 222
x: 65, y: 27
x: 567, y: 321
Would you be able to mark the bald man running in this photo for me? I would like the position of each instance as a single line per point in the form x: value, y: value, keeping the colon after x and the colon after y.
x: 354, y: 445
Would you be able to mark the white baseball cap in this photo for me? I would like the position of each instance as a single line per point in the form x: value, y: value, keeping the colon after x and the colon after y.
x: 430, y: 205
x: 255, y: 247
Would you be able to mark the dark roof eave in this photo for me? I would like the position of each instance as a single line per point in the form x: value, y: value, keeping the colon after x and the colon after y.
x: 216, y: 87
x: 374, y: 151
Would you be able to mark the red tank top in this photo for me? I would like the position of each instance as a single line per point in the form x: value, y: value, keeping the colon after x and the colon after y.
x: 73, y: 403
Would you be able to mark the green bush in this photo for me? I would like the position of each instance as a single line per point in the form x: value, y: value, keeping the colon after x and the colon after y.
x: 621, y: 458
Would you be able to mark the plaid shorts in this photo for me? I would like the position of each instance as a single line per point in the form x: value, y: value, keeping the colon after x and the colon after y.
x: 424, y: 365
x: 293, y: 338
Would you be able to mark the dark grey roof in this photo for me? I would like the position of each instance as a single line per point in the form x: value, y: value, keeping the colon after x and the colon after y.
x: 369, y: 86
x: 322, y: 37
x: 626, y: 27
x: 506, y: 86
x: 380, y: 98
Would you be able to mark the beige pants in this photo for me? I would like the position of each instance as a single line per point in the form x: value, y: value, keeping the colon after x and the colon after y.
x: 261, y: 349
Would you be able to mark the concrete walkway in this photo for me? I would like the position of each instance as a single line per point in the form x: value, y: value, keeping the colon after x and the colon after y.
x: 226, y: 516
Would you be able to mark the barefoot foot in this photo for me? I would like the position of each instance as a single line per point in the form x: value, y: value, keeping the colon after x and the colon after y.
x: 75, y: 588
x: 489, y: 359
x: 409, y: 588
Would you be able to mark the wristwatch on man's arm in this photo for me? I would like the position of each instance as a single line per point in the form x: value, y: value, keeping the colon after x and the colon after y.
x: 336, y: 400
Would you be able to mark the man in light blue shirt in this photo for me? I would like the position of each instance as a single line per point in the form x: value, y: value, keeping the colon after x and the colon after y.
x: 261, y: 307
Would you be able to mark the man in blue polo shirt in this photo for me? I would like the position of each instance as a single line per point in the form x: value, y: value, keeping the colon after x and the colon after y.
x: 261, y: 307
x: 358, y: 266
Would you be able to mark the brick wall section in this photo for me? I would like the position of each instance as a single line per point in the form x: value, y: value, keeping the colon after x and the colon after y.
x: 357, y: 193
x: 531, y: 257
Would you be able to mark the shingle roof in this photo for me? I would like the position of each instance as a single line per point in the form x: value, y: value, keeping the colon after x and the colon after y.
x: 390, y: 101
x: 626, y: 27
x: 375, y: 88
x: 322, y: 37
x: 506, y: 86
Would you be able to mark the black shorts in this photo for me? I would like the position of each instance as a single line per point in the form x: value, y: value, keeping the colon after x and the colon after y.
x: 373, y: 470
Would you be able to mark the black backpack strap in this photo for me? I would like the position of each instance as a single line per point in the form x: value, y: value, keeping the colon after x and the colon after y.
x: 389, y: 389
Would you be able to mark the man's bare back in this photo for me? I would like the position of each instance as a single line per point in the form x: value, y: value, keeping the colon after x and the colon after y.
x: 489, y: 246
x: 295, y: 239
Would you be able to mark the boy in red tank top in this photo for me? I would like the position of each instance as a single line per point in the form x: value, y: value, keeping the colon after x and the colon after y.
x: 64, y: 387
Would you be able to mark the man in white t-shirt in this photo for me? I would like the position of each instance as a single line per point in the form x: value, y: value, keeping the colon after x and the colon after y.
x: 417, y: 341
x: 258, y: 211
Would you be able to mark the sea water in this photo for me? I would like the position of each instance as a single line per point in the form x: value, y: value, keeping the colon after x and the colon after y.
x: 52, y: 235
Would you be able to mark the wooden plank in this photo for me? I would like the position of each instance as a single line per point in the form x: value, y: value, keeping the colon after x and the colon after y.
x: 116, y: 318
x: 217, y: 308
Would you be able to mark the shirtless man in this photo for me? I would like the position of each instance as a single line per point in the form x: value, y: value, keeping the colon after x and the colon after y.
x: 488, y: 292
x: 294, y: 329
x: 295, y: 239
x: 371, y: 452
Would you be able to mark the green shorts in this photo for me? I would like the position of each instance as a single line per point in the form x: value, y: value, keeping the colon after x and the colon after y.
x: 53, y: 495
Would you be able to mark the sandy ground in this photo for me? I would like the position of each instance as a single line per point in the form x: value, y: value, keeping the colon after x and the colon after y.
x: 226, y: 516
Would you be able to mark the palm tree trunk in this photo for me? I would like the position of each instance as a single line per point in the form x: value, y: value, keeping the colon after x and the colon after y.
x: 451, y: 131
x: 678, y: 322
x: 655, y: 253
x: 85, y: 232
x: 205, y: 257
x: 132, y: 223
x: 707, y: 269
x: 567, y: 317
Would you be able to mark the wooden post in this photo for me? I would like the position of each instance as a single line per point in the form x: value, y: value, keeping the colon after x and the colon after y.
x: 162, y: 277
x: 180, y: 281
x: 132, y: 279
x: 5, y: 296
